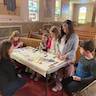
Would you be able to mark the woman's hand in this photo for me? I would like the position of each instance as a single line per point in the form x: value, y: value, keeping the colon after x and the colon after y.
x: 76, y: 78
x: 58, y: 54
x: 62, y: 57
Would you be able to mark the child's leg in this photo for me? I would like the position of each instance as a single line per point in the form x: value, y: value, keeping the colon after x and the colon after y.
x: 36, y: 77
x: 58, y: 86
x: 33, y: 75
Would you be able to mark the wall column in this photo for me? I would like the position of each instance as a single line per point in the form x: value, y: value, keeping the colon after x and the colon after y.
x: 47, y: 10
x: 94, y: 15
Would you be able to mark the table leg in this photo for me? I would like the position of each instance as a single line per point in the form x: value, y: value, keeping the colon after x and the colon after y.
x: 46, y: 91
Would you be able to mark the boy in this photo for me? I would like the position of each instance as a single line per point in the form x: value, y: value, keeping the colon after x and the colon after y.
x: 86, y: 69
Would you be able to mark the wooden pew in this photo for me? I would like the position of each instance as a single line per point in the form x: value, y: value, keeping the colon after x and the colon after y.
x: 86, y: 32
x: 31, y: 41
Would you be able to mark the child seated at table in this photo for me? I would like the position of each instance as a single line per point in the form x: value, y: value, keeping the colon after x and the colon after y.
x: 9, y: 81
x: 17, y: 43
x: 15, y: 39
x: 86, y: 69
x: 44, y: 42
x: 54, y: 33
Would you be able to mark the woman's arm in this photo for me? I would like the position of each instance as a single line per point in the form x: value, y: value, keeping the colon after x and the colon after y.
x: 71, y: 54
x: 74, y: 42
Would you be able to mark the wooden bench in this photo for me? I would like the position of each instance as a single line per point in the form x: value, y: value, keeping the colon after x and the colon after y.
x: 31, y: 41
x: 86, y: 32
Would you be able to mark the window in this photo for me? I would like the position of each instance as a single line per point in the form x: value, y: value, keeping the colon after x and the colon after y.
x: 82, y: 15
x: 58, y: 8
x: 33, y: 10
x: 65, y: 9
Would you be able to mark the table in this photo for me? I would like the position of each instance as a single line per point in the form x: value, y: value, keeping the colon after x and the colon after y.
x: 39, y: 61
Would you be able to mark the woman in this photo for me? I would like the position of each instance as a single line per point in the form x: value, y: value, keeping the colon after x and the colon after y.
x: 9, y: 82
x: 67, y: 47
x: 68, y: 41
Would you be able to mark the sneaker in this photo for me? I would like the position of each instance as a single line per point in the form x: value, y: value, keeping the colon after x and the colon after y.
x: 55, y: 89
x: 19, y: 75
x: 59, y: 87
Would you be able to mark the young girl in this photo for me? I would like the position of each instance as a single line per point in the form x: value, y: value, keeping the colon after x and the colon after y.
x: 9, y: 81
x: 15, y: 39
x: 42, y: 46
x: 54, y: 32
x: 44, y: 42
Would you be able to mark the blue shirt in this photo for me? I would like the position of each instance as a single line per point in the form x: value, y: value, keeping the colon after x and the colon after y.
x: 81, y: 72
x: 86, y: 68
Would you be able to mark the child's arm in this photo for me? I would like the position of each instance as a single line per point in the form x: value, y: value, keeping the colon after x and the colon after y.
x: 20, y: 44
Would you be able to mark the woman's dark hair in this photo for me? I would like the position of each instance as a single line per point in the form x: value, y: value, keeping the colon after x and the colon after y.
x: 4, y: 48
x: 70, y: 31
x: 88, y: 45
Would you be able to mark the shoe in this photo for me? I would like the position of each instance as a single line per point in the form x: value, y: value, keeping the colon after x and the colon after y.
x: 19, y: 75
x: 55, y: 89
x: 59, y: 87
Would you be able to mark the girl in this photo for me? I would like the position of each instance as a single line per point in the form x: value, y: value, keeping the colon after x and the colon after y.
x: 15, y: 39
x: 42, y: 46
x: 54, y: 32
x: 44, y: 42
x: 68, y: 44
x: 9, y: 82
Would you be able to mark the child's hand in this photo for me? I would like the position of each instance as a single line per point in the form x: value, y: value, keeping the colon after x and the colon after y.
x: 20, y: 44
x: 76, y: 78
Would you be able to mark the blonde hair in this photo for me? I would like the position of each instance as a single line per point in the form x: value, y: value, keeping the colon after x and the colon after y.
x: 14, y: 34
x: 55, y: 30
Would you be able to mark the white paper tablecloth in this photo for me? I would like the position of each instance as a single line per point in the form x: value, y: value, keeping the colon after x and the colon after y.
x: 39, y: 61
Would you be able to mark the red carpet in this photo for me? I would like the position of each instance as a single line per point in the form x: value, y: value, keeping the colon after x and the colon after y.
x: 33, y: 88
